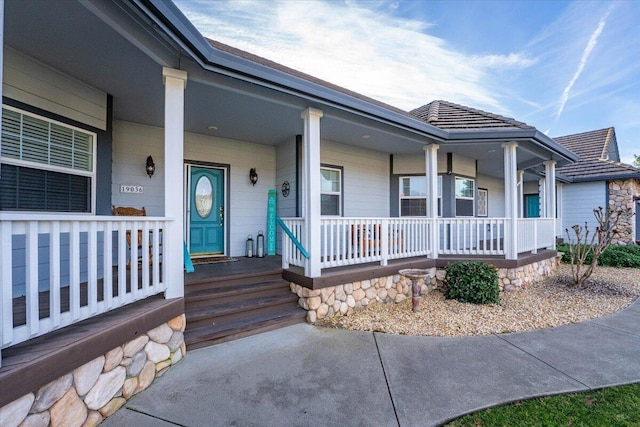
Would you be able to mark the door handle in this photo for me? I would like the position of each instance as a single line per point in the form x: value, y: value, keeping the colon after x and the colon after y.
x: 221, y: 216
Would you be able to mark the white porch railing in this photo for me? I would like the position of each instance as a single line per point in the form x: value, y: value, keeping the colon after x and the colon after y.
x: 535, y: 233
x: 471, y: 236
x: 73, y: 267
x: 347, y: 241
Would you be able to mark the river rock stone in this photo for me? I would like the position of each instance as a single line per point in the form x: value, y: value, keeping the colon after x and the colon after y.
x: 161, y: 334
x: 113, y: 358
x: 137, y: 363
x: 41, y: 419
x: 162, y: 365
x: 370, y: 293
x: 348, y: 288
x: 134, y: 346
x: 314, y: 302
x: 68, y: 411
x: 176, y: 357
x: 351, y: 302
x: 129, y: 388
x: 176, y: 340
x: 341, y: 295
x: 93, y: 419
x: 146, y: 376
x: 13, y: 413
x: 50, y: 393
x: 86, y: 375
x: 358, y: 294
x: 112, y: 406
x: 322, y: 311
x: 106, y: 387
x: 311, y: 316
x: 177, y: 323
x: 156, y: 352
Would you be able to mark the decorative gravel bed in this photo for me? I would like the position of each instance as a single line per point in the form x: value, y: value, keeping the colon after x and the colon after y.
x: 552, y: 302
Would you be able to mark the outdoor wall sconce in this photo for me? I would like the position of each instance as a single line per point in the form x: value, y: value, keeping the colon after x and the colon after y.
x: 151, y: 167
x: 253, y: 176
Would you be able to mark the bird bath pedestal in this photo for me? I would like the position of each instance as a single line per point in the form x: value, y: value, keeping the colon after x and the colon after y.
x: 414, y: 275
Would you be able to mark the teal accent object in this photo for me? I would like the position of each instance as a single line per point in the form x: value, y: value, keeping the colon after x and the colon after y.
x: 295, y: 241
x: 188, y: 265
x: 271, y: 223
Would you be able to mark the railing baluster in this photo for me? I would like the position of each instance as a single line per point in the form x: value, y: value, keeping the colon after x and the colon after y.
x: 54, y: 274
x: 74, y: 270
x: 92, y: 268
x: 122, y: 262
x: 107, y: 260
x: 6, y: 291
x: 31, y: 278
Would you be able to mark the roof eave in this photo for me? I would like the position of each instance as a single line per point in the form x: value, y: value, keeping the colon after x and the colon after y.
x: 511, y: 134
x: 609, y: 177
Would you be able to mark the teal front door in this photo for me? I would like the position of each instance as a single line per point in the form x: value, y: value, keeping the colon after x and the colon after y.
x: 532, y: 206
x: 206, y: 211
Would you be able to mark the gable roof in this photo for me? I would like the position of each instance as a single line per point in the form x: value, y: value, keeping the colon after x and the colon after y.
x: 592, y: 148
x: 450, y: 116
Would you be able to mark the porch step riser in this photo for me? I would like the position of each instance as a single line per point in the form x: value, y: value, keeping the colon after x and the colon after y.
x: 244, y: 314
x: 219, y: 333
x: 281, y: 324
x: 223, y: 282
x: 214, y: 300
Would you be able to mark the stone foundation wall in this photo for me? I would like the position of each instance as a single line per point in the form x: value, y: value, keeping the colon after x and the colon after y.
x: 343, y: 299
x: 621, y: 194
x: 100, y: 387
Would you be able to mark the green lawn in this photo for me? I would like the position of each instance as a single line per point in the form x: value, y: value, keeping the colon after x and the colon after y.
x: 615, y: 406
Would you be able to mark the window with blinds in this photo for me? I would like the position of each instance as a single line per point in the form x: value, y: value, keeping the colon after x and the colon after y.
x: 46, y: 165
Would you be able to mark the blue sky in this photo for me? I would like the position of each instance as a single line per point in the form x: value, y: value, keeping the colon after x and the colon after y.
x: 563, y: 67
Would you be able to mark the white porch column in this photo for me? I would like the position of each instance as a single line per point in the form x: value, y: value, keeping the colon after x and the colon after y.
x: 520, y: 194
x: 542, y: 198
x: 311, y: 144
x: 511, y: 199
x: 550, y: 192
x: 175, y: 82
x: 431, y: 173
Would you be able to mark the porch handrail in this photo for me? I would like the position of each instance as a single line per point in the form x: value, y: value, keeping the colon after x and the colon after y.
x: 79, y: 263
x: 293, y: 238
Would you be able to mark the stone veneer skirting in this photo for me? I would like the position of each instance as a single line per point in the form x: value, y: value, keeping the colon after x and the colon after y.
x: 100, y: 387
x: 342, y: 300
x: 621, y: 193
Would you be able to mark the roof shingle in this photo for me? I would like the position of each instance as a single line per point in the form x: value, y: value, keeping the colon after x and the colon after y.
x: 450, y: 116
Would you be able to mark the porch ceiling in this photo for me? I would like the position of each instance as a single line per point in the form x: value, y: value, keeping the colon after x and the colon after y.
x: 109, y: 47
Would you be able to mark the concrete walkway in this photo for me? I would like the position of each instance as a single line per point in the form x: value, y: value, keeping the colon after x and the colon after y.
x: 308, y: 376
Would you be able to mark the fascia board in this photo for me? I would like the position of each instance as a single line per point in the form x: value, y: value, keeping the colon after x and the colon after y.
x: 222, y: 62
x: 532, y: 135
x: 605, y: 177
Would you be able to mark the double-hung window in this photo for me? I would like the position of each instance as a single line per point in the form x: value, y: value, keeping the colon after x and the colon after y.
x: 46, y: 165
x: 413, y: 196
x: 465, y: 192
x: 330, y: 191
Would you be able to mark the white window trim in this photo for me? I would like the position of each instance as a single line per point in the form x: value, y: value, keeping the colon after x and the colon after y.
x: 42, y: 166
x: 333, y: 193
x: 401, y: 197
x: 456, y: 197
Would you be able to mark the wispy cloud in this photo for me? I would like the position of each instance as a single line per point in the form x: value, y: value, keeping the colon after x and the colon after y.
x: 591, y: 44
x: 390, y: 58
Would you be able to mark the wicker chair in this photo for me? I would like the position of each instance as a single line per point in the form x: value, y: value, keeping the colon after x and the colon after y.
x: 130, y: 211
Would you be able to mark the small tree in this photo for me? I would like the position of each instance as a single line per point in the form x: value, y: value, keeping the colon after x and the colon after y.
x: 600, y: 240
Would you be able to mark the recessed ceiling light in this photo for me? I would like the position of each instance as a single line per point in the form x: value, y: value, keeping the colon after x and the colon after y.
x: 491, y: 151
x: 213, y: 127
x: 366, y: 136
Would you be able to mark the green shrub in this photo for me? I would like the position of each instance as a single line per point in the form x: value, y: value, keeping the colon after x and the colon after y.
x: 474, y: 282
x: 613, y: 256
x: 620, y: 256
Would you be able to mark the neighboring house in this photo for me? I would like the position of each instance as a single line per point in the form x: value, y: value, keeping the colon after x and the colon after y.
x: 92, y: 88
x: 598, y: 179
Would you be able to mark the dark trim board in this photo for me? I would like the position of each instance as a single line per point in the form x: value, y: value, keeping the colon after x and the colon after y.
x: 349, y: 274
x: 30, y: 365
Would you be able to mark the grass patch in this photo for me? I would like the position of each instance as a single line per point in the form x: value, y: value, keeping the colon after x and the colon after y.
x: 614, y: 406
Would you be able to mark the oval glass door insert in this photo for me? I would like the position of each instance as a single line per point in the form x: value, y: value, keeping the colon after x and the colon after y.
x: 204, y: 196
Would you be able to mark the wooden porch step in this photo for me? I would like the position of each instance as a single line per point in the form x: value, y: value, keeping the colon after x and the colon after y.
x: 200, y: 283
x: 233, y: 329
x: 219, y: 295
x: 238, y: 309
